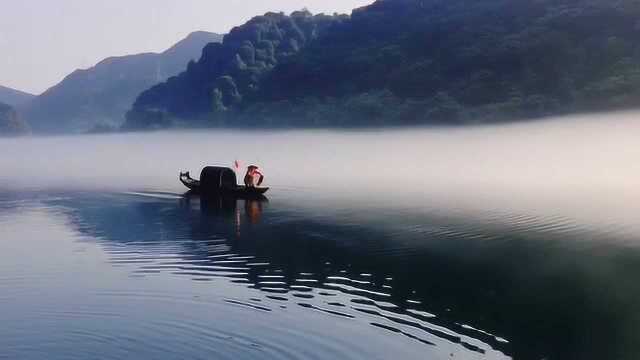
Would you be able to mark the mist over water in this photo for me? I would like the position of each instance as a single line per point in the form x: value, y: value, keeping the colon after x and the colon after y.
x: 583, y: 168
x: 490, y: 242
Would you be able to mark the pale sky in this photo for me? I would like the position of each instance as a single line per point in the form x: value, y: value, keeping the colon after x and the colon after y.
x: 42, y: 41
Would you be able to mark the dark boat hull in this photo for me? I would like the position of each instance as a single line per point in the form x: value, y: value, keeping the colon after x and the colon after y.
x: 239, y: 191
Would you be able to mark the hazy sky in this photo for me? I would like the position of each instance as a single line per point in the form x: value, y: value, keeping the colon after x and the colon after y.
x: 41, y: 41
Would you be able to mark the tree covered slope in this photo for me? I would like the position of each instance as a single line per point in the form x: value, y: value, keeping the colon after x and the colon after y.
x: 230, y: 71
x: 10, y: 123
x: 435, y: 61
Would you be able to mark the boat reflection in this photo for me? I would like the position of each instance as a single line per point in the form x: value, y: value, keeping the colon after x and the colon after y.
x: 289, y: 258
x: 241, y: 210
x: 439, y: 287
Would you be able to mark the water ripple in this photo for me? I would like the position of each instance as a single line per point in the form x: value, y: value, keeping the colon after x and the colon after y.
x: 360, y: 297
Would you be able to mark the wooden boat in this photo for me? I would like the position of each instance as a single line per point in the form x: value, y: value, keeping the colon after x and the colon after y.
x: 219, y: 181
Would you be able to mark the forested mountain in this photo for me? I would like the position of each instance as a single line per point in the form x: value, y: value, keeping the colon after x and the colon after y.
x: 404, y: 61
x: 14, y: 97
x: 229, y: 71
x: 426, y: 61
x: 101, y: 95
x: 10, y: 123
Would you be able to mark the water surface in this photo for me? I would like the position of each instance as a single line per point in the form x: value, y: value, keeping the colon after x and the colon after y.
x: 517, y: 241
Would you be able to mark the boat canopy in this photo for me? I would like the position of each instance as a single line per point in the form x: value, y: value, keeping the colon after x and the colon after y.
x: 214, y: 178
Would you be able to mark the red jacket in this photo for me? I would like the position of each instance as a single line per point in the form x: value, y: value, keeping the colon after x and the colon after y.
x: 249, y: 178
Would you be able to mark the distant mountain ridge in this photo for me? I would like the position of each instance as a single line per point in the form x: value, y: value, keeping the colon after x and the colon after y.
x: 101, y: 95
x: 405, y: 62
x: 14, y: 97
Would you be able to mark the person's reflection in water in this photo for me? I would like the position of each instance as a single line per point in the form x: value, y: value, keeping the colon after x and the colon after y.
x: 238, y: 222
x: 253, y: 210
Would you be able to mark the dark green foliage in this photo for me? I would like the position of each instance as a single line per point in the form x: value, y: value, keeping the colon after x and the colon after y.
x: 10, y: 123
x: 440, y: 61
x: 508, y: 57
x: 227, y: 73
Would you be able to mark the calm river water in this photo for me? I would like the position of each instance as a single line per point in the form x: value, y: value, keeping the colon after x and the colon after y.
x: 518, y: 241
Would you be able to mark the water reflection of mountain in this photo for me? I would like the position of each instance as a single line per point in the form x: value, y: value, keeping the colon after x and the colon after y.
x: 548, y: 296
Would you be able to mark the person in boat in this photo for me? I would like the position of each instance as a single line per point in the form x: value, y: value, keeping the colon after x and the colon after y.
x: 253, y: 173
